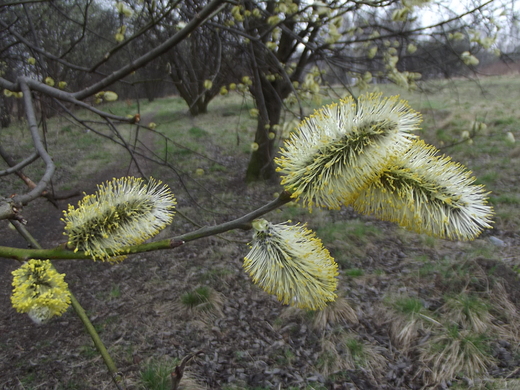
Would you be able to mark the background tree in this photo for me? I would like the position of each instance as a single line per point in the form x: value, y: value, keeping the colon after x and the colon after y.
x: 282, y: 41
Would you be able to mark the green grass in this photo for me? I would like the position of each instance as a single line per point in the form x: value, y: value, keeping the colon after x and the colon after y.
x: 88, y: 351
x: 408, y: 305
x: 198, y: 296
x: 510, y: 199
x: 156, y: 374
x: 468, y: 311
x: 115, y: 291
x: 457, y: 353
x: 354, y: 272
x: 285, y: 357
x: 346, y: 240
x: 198, y: 132
x: 357, y: 350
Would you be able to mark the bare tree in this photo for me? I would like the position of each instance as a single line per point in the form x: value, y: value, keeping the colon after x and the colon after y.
x: 281, y: 42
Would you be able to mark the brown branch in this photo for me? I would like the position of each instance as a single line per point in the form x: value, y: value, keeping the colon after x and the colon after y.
x: 178, y: 373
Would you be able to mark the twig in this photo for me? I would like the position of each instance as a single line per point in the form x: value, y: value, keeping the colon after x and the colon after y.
x: 62, y: 252
x: 179, y: 370
x: 200, y: 18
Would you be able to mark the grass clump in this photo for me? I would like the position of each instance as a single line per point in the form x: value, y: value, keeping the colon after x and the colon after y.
x: 338, y: 312
x: 468, y: 311
x: 406, y: 316
x: 156, y: 375
x: 203, y: 300
x: 197, y: 297
x: 453, y: 353
x: 408, y: 305
x: 342, y: 351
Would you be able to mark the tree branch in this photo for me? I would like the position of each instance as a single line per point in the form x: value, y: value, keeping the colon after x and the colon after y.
x: 33, y: 126
x: 200, y: 18
x: 61, y: 252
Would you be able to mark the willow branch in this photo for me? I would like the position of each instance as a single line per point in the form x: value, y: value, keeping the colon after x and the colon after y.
x: 62, y: 252
x: 142, y: 31
x: 15, y: 168
x: 27, y: 43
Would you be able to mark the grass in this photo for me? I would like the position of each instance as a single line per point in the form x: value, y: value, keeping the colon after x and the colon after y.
x: 115, y: 291
x: 156, y: 374
x: 216, y: 275
x: 343, y: 350
x: 197, y: 297
x: 285, y: 357
x: 406, y: 317
x: 468, y: 311
x: 339, y: 312
x: 354, y: 272
x: 407, y: 306
x: 346, y: 240
x: 202, y: 300
x: 455, y: 352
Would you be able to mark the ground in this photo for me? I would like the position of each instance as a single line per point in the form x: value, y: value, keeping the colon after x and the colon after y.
x: 246, y: 338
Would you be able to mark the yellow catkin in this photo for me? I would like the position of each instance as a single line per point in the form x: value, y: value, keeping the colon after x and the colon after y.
x: 428, y: 193
x: 337, y: 151
x: 123, y: 212
x: 39, y: 290
x: 291, y: 263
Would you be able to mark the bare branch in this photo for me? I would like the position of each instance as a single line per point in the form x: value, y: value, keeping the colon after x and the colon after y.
x: 200, y: 18
x: 15, y: 168
x: 33, y: 126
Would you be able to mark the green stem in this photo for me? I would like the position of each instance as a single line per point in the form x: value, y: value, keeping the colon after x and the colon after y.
x: 95, y: 338
x: 78, y: 309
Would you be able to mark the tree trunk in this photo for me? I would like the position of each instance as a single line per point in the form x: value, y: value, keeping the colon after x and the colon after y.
x: 261, y: 165
x: 198, y: 107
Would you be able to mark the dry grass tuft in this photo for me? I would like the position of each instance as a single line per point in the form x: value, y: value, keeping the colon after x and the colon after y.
x: 504, y: 384
x: 335, y: 313
x: 406, y: 317
x: 346, y: 351
x: 156, y: 375
x: 468, y: 311
x: 202, y: 302
x: 453, y: 353
x: 507, y: 311
x: 330, y: 360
